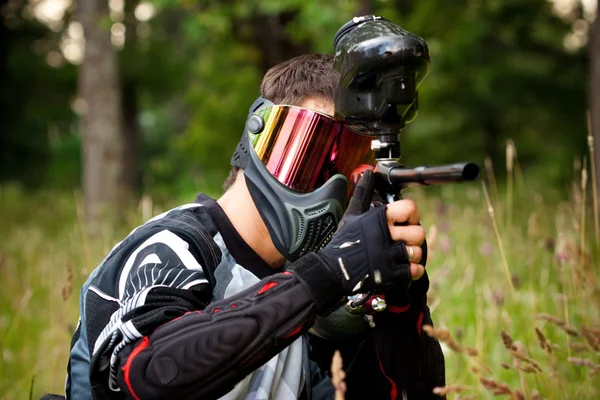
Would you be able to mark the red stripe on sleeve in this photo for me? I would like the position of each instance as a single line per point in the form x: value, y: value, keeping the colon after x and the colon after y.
x: 138, y: 349
x: 295, y: 331
x: 267, y: 286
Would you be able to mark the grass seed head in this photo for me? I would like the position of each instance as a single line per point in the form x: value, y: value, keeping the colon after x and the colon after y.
x: 498, y: 297
x: 471, y: 352
x: 338, y: 375
x: 520, y: 356
x: 444, y: 390
x: 592, y: 337
x: 582, y: 362
x: 578, y: 347
x: 518, y: 395
x: 68, y: 286
x: 506, y: 339
x: 543, y: 341
x: 443, y: 335
x: 529, y: 369
x: 497, y: 388
x: 551, y: 318
x: 570, y: 330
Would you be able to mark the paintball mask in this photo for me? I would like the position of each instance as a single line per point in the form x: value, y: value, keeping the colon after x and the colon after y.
x: 300, y: 168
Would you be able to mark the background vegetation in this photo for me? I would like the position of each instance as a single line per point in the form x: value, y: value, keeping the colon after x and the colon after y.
x: 509, y: 88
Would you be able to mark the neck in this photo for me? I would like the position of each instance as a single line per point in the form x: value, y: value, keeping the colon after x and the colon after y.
x: 245, y: 218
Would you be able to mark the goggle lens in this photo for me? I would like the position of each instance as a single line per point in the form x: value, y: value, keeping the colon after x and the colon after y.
x: 303, y: 149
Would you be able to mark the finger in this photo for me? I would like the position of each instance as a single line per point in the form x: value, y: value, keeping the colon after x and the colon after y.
x: 403, y: 212
x: 413, y: 235
x: 416, y: 271
x: 363, y: 193
x: 414, y: 253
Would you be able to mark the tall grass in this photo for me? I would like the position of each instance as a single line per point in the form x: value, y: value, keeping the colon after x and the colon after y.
x: 517, y: 305
x: 44, y: 259
x: 514, y: 295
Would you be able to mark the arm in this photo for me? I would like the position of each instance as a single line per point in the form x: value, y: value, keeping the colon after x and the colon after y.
x: 164, y: 305
x: 204, y: 353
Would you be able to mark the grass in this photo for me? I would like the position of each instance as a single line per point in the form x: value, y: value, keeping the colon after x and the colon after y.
x: 514, y: 295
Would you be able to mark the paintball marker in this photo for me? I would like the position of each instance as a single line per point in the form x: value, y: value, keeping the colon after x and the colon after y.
x: 381, y: 67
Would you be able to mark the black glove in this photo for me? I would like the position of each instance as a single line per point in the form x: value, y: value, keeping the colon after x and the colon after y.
x: 362, y: 252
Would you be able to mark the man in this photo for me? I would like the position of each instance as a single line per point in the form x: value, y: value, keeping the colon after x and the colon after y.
x: 196, y: 303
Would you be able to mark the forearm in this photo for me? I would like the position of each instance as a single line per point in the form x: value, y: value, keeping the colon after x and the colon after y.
x: 205, y: 353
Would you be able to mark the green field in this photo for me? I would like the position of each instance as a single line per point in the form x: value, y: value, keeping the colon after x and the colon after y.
x: 532, y: 263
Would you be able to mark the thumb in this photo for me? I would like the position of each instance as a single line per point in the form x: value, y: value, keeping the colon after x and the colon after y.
x: 363, y: 194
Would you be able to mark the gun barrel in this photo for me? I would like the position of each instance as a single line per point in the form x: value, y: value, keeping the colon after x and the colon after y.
x: 431, y: 175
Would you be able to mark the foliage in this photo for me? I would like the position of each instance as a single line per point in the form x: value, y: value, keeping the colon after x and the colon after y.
x: 226, y: 75
x: 34, y: 97
x: 499, y: 71
x: 44, y: 259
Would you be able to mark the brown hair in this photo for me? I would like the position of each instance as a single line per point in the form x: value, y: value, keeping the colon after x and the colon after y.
x: 295, y: 80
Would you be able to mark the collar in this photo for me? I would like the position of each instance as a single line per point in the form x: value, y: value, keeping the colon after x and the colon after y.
x: 239, y: 249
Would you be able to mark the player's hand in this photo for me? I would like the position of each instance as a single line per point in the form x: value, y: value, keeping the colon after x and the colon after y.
x: 375, y: 245
x: 403, y: 219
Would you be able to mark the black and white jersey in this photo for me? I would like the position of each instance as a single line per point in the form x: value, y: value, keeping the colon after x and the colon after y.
x: 184, y: 308
x: 180, y: 250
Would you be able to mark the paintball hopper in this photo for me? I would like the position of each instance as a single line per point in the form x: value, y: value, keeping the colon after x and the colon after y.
x: 381, y: 67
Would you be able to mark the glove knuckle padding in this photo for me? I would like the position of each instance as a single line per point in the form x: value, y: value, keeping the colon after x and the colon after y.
x: 361, y: 198
x: 363, y: 246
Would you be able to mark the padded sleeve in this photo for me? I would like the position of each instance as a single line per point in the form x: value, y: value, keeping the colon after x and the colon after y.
x: 204, y: 353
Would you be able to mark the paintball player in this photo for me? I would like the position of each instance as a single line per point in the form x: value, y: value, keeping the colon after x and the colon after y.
x: 215, y: 299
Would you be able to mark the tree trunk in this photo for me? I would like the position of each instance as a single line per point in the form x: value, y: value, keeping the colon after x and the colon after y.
x: 130, y: 98
x: 4, y: 78
x: 273, y: 42
x: 102, y: 124
x: 365, y: 7
x: 594, y: 91
x: 405, y: 7
x: 131, y: 129
x: 491, y: 131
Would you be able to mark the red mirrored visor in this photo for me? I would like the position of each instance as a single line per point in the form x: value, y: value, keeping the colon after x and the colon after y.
x: 303, y: 148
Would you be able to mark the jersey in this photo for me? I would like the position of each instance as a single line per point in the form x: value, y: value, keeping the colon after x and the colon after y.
x: 161, y: 255
x: 184, y: 308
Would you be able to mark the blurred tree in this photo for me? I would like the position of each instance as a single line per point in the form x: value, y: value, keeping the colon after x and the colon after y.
x: 36, y: 87
x: 130, y: 103
x: 189, y: 70
x: 4, y: 78
x: 594, y: 91
x: 500, y: 70
x: 102, y: 122
x: 237, y: 42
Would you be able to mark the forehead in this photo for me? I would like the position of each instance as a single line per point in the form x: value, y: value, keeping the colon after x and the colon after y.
x: 320, y: 105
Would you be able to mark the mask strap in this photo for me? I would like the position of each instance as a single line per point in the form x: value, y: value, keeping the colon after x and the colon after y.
x: 258, y: 104
x: 254, y: 124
